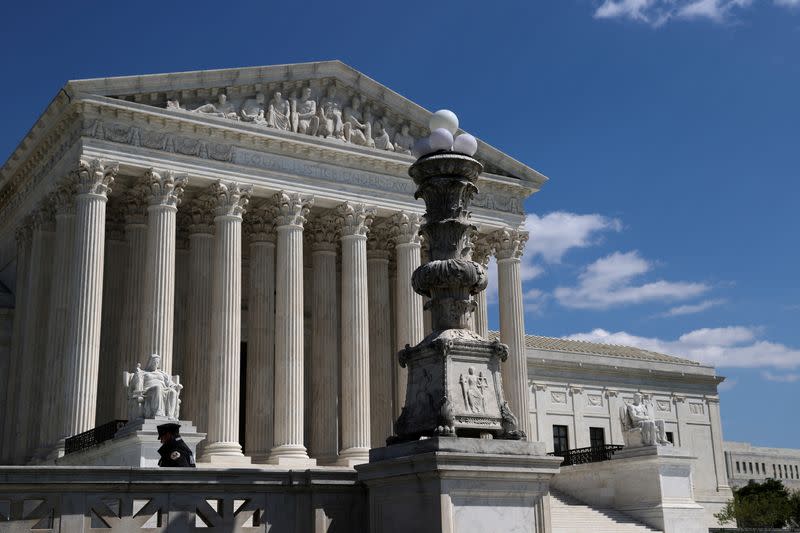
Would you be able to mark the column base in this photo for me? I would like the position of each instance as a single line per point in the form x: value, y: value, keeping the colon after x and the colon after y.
x: 291, y: 455
x: 222, y: 454
x: 352, y: 457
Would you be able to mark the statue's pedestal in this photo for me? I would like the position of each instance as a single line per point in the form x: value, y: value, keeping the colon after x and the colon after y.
x: 135, y: 444
x: 464, y: 485
x: 650, y: 483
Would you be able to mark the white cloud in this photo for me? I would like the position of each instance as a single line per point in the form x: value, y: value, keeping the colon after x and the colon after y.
x: 727, y: 385
x: 554, y: 234
x: 658, y: 12
x: 734, y: 346
x: 691, y: 309
x: 609, y: 282
x: 780, y: 378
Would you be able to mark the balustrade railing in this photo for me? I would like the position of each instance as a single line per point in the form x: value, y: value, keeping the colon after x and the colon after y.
x: 93, y: 437
x: 592, y: 454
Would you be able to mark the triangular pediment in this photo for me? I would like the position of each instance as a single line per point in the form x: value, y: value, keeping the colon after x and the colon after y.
x: 326, y: 99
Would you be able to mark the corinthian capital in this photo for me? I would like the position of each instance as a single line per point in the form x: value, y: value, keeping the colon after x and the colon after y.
x: 231, y: 198
x: 63, y: 197
x: 95, y: 176
x: 379, y: 238
x: 290, y: 208
x: 201, y: 214
x: 322, y: 231
x: 405, y: 227
x: 134, y: 204
x: 481, y: 249
x: 43, y: 216
x: 354, y: 219
x: 23, y: 232
x: 166, y: 187
x: 508, y: 243
x: 259, y: 224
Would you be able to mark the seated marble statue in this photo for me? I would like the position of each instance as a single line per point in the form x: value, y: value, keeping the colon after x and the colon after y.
x: 639, y: 428
x: 304, y: 114
x: 279, y: 112
x: 222, y: 108
x: 381, y: 138
x: 152, y: 392
x: 253, y: 110
x: 330, y: 115
x: 403, y: 141
x: 174, y: 105
x: 357, y: 125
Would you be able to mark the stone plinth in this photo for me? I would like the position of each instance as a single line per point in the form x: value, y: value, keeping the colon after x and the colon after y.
x: 135, y: 444
x: 653, y: 484
x: 463, y: 485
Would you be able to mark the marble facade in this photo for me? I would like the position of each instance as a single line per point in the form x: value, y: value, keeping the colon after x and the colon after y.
x: 194, y: 214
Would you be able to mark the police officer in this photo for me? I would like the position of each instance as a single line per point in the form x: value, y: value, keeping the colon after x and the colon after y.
x: 173, y: 452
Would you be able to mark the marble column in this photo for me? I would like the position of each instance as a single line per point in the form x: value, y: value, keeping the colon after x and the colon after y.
x: 179, y: 339
x: 409, y: 325
x: 614, y: 403
x: 12, y: 411
x: 165, y: 191
x: 508, y: 245
x: 55, y: 365
x: 222, y: 442
x: 480, y: 318
x: 325, y: 345
x: 35, y: 343
x: 290, y: 210
x: 194, y: 399
x: 580, y: 431
x: 83, y: 331
x: 260, y: 377
x: 129, y: 352
x: 355, y: 220
x: 381, y: 351
x: 113, y: 286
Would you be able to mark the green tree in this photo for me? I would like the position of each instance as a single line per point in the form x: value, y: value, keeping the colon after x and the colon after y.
x: 794, y: 509
x: 766, y: 504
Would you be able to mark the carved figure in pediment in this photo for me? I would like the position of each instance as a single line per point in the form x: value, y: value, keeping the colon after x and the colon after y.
x: 253, y: 110
x: 279, y: 112
x: 222, y: 108
x: 174, y: 105
x: 304, y: 113
x: 357, y: 124
x: 330, y: 115
x: 403, y: 141
x: 382, y: 140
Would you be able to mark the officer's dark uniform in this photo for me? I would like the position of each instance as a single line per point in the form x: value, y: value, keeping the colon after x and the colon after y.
x: 175, y: 452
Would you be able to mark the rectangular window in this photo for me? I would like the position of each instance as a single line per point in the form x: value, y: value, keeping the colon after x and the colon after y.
x: 597, y: 437
x: 738, y: 470
x: 774, y: 472
x: 751, y: 468
x: 763, y: 469
x: 671, y: 438
x: 795, y: 472
x: 560, y: 439
x: 757, y: 472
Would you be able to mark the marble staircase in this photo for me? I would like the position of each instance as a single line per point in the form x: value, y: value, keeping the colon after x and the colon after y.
x: 571, y: 516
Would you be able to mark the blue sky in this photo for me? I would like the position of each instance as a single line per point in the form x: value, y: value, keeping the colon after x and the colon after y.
x: 670, y: 130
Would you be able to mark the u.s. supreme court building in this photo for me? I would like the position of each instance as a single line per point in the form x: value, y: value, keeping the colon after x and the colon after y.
x: 257, y: 229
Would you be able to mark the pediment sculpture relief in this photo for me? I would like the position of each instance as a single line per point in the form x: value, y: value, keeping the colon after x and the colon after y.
x: 349, y: 119
x: 152, y: 392
x: 639, y: 427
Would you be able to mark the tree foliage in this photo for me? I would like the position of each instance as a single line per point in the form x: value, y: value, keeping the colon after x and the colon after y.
x: 766, y: 504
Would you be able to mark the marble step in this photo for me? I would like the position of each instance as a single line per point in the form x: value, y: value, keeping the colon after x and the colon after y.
x: 571, y: 516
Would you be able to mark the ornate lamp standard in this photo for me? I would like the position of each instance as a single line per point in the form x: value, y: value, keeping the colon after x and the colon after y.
x: 454, y: 383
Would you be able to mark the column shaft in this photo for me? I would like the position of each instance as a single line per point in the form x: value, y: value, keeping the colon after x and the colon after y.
x: 380, y: 347
x: 409, y: 312
x: 222, y: 442
x: 85, y: 310
x: 35, y: 345
x: 325, y: 348
x: 179, y: 339
x: 260, y: 349
x: 512, y: 333
x: 55, y: 366
x: 290, y: 210
x: 355, y: 352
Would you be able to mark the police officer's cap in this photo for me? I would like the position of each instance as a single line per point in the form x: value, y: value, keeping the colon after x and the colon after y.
x: 168, y: 428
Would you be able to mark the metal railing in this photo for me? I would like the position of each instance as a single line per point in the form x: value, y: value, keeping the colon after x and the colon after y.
x: 93, y: 437
x: 593, y: 454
